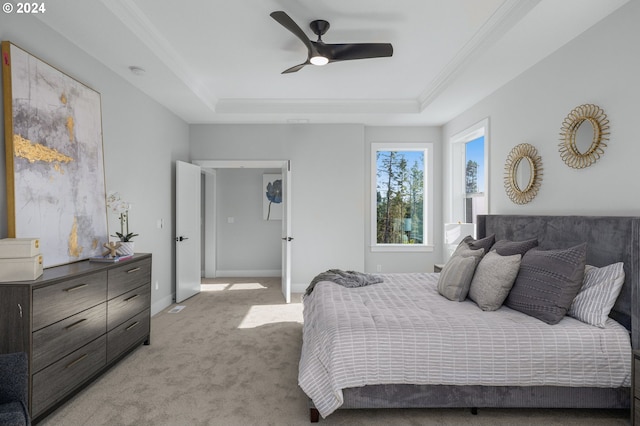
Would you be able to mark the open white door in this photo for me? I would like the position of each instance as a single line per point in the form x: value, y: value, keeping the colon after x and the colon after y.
x: 188, y: 199
x: 286, y: 231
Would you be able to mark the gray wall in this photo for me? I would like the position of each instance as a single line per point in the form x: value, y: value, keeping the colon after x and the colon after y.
x: 142, y: 140
x: 250, y: 246
x: 331, y: 189
x: 601, y: 67
x: 405, y: 261
x: 328, y: 180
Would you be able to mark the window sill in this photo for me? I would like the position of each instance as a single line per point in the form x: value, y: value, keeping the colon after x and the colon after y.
x: 402, y: 248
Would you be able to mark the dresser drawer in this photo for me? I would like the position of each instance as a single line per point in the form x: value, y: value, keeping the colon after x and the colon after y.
x: 54, y: 382
x: 128, y: 334
x: 129, y: 276
x: 125, y: 306
x: 61, y: 300
x: 59, y: 339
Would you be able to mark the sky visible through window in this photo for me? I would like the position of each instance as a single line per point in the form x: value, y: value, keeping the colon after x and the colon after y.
x: 474, y: 151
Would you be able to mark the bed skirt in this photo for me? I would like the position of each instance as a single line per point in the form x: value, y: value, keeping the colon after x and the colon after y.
x: 447, y: 396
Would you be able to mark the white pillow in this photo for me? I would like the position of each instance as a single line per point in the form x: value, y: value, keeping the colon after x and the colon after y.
x: 600, y: 289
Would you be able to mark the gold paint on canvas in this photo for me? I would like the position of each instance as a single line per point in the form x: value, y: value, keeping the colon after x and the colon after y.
x: 74, y: 249
x: 70, y: 126
x: 37, y: 152
x: 58, y: 169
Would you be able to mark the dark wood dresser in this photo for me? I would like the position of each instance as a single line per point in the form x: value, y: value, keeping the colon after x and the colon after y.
x: 74, y: 322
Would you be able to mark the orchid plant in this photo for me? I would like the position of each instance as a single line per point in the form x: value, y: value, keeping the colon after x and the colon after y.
x: 117, y: 205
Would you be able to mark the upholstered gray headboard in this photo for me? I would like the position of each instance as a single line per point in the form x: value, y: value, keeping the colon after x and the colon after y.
x: 609, y: 239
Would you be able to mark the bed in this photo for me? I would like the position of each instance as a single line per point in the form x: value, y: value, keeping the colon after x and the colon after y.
x: 341, y: 378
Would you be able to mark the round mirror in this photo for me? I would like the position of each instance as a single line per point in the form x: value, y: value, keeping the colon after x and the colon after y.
x: 583, y: 134
x: 523, y: 173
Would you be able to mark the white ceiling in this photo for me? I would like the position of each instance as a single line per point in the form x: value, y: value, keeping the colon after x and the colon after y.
x: 215, y: 61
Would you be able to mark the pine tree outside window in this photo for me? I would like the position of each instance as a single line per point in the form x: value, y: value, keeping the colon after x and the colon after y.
x: 400, y: 219
x: 475, y: 200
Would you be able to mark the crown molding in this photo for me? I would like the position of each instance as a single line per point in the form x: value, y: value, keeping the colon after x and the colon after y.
x: 503, y: 19
x: 138, y: 23
x: 317, y: 106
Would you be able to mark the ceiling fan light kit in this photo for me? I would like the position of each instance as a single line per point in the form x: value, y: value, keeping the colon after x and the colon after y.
x: 321, y: 53
x: 319, y: 60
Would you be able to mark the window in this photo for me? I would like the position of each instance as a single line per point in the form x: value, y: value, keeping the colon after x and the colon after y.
x: 475, y: 200
x: 400, y: 215
x: 469, y: 164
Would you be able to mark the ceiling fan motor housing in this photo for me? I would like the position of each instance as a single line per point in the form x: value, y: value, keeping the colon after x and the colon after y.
x: 319, y: 27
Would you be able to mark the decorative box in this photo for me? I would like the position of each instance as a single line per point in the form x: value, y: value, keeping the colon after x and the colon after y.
x: 21, y: 269
x: 19, y: 247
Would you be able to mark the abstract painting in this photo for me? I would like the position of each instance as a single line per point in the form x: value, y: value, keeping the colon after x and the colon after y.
x: 272, y: 201
x: 54, y: 155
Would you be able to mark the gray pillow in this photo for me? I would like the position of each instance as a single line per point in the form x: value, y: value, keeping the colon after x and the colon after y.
x: 509, y: 248
x: 455, y: 277
x: 483, y: 243
x: 493, y: 279
x: 598, y: 294
x: 547, y: 282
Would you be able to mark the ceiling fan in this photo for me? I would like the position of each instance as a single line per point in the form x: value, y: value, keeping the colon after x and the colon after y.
x: 321, y: 53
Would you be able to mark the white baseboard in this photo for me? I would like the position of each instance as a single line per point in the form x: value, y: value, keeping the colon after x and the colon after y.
x: 249, y: 273
x: 161, y: 304
x: 298, y: 288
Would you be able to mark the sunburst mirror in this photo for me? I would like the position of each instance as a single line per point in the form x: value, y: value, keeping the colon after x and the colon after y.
x: 582, y: 136
x: 523, y: 173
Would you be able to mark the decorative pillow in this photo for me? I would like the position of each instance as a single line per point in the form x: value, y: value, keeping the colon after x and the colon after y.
x: 493, y: 279
x: 483, y: 243
x: 509, y: 248
x: 455, y: 277
x: 547, y: 282
x: 600, y: 289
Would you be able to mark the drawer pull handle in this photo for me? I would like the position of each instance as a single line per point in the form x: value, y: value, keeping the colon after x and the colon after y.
x: 131, y: 298
x: 72, y: 363
x: 132, y: 325
x: 133, y: 270
x: 78, y: 287
x: 69, y: 327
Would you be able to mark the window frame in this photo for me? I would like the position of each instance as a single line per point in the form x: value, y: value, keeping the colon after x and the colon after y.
x: 458, y: 168
x: 427, y: 244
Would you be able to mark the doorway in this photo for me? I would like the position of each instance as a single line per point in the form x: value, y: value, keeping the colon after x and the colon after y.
x: 215, y: 227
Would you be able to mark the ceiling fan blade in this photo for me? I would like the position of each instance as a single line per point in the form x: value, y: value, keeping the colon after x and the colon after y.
x: 296, y: 68
x: 283, y: 19
x: 346, y: 52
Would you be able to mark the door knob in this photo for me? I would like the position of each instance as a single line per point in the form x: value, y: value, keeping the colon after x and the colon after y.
x: 181, y: 238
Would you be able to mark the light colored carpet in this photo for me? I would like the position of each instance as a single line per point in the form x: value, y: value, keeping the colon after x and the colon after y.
x: 230, y: 357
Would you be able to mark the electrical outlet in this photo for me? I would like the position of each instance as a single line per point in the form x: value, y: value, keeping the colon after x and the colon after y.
x: 379, y: 268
